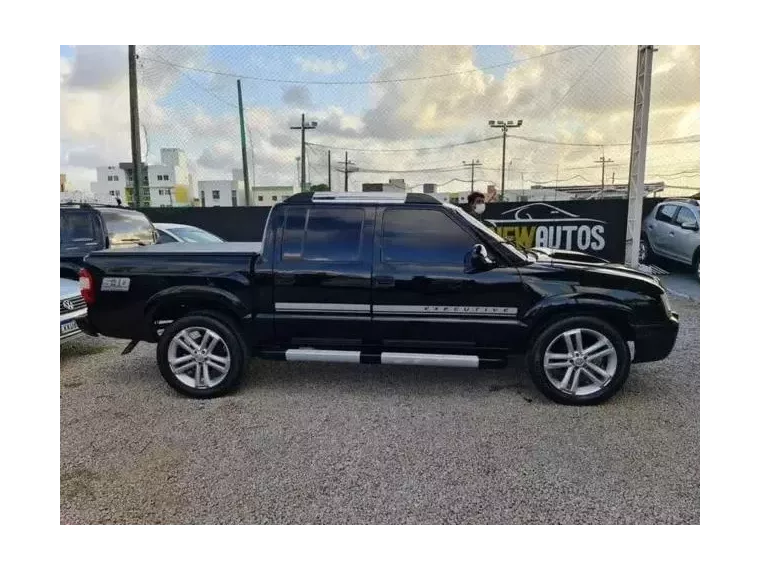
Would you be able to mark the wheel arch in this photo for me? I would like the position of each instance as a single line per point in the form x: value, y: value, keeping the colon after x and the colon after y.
x: 176, y: 302
x: 613, y: 312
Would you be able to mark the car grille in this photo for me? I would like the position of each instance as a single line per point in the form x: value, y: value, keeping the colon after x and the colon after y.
x: 74, y: 303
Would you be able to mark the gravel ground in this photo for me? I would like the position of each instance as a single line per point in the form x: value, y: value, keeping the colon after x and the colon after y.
x: 304, y: 443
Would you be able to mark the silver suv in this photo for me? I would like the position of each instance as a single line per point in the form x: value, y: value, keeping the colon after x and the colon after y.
x: 671, y: 230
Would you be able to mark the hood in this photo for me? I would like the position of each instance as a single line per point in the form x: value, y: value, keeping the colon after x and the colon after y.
x: 552, y: 255
x: 69, y: 288
x: 579, y: 260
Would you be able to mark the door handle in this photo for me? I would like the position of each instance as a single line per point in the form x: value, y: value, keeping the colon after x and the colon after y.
x: 284, y: 279
x: 384, y: 281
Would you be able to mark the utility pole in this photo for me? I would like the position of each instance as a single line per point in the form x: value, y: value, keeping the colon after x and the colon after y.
x: 603, y: 161
x: 345, y: 172
x: 504, y: 126
x: 242, y: 146
x: 472, y: 166
x: 253, y: 167
x: 638, y: 153
x: 329, y: 172
x: 134, y: 119
x: 304, y: 126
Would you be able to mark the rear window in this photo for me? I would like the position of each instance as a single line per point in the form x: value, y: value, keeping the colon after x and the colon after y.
x: 78, y: 228
x: 127, y: 227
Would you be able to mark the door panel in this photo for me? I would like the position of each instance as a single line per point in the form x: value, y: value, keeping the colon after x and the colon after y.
x: 684, y: 241
x: 322, y: 276
x: 663, y: 229
x: 423, y: 298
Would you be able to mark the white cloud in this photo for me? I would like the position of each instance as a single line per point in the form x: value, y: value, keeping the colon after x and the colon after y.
x: 566, y: 96
x: 321, y: 66
x: 362, y: 52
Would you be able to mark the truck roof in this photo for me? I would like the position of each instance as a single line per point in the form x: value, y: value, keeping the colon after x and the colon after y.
x: 361, y: 198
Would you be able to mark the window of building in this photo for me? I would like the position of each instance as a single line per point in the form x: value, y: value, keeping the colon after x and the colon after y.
x: 110, y: 178
x: 261, y: 198
x: 116, y: 178
x: 215, y: 194
x: 322, y: 234
x: 274, y: 198
x: 426, y: 237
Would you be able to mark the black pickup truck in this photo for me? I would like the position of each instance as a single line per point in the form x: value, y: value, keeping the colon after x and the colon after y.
x: 379, y: 279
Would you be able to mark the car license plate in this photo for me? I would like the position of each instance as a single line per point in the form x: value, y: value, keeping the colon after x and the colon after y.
x: 68, y: 327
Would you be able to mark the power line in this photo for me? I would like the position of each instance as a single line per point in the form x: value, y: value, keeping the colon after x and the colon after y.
x: 452, y: 145
x: 365, y: 82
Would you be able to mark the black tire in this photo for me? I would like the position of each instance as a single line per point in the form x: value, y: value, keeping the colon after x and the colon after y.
x: 645, y: 251
x: 230, y: 346
x: 542, y: 341
x: 695, y: 264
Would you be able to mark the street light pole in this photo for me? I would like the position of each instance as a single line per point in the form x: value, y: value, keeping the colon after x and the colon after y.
x: 504, y: 126
x: 304, y: 126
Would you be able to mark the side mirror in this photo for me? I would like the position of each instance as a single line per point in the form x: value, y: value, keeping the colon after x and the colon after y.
x: 477, y: 259
x: 690, y: 226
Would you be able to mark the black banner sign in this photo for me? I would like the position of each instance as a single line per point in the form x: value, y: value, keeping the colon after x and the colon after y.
x: 596, y: 227
x: 591, y: 226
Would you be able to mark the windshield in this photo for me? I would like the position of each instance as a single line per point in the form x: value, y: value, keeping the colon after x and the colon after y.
x: 519, y: 251
x: 196, y: 235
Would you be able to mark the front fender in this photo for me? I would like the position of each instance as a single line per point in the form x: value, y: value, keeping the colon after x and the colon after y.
x: 577, y: 303
x: 201, y: 295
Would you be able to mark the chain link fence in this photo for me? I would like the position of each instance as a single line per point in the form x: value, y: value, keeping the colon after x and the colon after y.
x: 421, y: 114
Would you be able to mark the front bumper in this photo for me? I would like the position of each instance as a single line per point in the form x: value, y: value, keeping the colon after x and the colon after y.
x: 655, y: 341
x: 72, y: 317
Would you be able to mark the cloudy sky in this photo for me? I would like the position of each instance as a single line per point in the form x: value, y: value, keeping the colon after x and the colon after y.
x: 576, y: 103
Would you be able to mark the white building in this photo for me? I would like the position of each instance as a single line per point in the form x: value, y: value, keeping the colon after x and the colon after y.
x: 232, y: 192
x: 221, y: 193
x: 167, y: 184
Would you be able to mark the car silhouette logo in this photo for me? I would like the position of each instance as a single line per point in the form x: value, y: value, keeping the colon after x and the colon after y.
x: 540, y: 212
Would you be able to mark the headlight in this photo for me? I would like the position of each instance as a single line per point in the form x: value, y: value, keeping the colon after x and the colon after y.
x: 666, y: 303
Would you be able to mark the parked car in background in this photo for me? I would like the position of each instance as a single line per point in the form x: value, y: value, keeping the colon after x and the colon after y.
x: 72, y: 308
x: 171, y: 233
x: 671, y: 230
x: 379, y: 278
x: 90, y: 227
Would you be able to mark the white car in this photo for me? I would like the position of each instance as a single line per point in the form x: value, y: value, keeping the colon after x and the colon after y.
x: 72, y: 307
x: 172, y: 233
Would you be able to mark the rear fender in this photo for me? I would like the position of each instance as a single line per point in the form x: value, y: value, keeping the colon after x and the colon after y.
x: 196, y: 297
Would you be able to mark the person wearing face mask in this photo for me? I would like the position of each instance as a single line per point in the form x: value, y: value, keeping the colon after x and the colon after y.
x: 476, y: 207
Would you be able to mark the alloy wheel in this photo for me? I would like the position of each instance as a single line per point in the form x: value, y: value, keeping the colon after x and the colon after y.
x: 199, y: 357
x: 580, y: 361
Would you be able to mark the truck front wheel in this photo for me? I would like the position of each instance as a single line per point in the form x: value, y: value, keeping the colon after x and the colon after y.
x: 200, y: 356
x: 579, y: 361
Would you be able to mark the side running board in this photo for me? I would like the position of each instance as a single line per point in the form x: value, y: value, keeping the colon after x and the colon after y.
x: 404, y: 358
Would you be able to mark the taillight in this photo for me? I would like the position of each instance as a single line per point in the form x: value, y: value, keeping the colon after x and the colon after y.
x: 87, y: 286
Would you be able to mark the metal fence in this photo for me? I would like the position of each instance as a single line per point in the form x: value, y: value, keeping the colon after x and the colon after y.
x: 414, y: 113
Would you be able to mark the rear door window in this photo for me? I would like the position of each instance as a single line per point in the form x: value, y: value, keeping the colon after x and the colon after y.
x: 127, y: 227
x: 323, y: 234
x: 685, y: 215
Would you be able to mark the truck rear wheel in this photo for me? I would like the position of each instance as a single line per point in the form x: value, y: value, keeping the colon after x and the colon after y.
x: 200, y: 356
x: 579, y: 361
